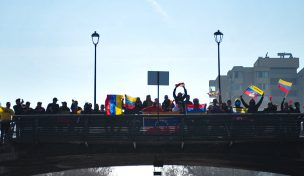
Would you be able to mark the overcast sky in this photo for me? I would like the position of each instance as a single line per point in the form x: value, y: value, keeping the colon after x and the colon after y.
x: 46, y: 49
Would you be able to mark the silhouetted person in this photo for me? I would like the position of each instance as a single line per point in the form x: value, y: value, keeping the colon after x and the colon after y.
x: 229, y: 107
x: 39, y: 109
x: 75, y: 108
x: 64, y: 109
x: 252, y: 106
x: 196, y: 106
x: 148, y: 102
x: 271, y: 108
x: 96, y: 109
x: 285, y: 107
x: 102, y: 109
x: 27, y: 110
x: 297, y: 107
x: 214, y: 108
x: 18, y: 108
x: 187, y: 101
x: 138, y: 106
x: 87, y: 109
x: 6, y: 117
x: 53, y: 108
x: 180, y: 98
x: 166, y: 105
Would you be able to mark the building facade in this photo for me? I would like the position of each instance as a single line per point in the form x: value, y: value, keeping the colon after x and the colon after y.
x: 264, y: 74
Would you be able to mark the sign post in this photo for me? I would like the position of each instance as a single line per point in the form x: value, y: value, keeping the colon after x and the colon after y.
x: 158, y: 78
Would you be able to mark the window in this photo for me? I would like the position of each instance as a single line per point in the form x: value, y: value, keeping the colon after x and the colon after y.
x: 262, y: 74
x: 262, y: 86
x: 236, y: 75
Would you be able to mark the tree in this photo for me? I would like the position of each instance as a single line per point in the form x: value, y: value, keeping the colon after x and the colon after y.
x: 101, y: 171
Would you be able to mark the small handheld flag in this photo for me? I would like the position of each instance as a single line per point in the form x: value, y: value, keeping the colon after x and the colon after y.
x: 180, y: 84
x: 284, y: 85
x: 129, y: 102
x: 253, y: 91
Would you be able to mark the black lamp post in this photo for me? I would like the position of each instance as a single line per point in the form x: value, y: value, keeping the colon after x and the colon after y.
x: 218, y: 39
x: 95, y: 40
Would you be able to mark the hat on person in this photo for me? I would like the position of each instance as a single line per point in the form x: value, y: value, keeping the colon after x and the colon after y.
x: 55, y: 99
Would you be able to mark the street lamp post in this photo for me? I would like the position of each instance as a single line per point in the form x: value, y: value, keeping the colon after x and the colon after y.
x: 95, y: 40
x: 218, y: 36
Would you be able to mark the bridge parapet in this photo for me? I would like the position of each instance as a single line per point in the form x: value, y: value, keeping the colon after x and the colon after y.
x: 97, y: 128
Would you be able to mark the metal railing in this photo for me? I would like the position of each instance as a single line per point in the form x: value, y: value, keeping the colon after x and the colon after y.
x: 98, y: 128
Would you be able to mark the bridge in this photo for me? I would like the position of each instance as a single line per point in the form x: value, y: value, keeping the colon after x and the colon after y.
x: 51, y: 143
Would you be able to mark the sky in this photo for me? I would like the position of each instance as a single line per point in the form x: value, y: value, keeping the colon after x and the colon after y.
x: 46, y: 48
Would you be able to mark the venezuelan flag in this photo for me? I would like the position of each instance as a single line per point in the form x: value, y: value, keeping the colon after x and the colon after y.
x: 284, y: 85
x: 130, y: 102
x: 200, y: 108
x: 253, y: 91
x: 114, y: 104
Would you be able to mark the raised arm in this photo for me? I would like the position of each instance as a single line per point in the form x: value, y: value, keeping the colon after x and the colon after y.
x: 260, y: 102
x: 282, y: 104
x: 174, y: 93
x: 244, y: 103
x: 185, y: 95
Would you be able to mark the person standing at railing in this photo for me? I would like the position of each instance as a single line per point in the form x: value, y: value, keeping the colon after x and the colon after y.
x: 237, y: 107
x: 6, y: 118
x: 63, y: 109
x: 214, y: 108
x: 27, y: 110
x: 252, y: 106
x: 148, y: 102
x: 285, y: 107
x: 271, y: 108
x: 39, y: 109
x: 297, y: 107
x: 180, y: 98
x: 18, y: 108
x: 167, y: 104
x: 53, y: 108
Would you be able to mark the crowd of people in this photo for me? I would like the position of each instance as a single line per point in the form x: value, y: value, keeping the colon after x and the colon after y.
x: 178, y: 105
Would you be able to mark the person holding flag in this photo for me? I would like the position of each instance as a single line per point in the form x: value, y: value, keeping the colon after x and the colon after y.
x: 285, y: 86
x: 180, y: 98
x: 253, y: 92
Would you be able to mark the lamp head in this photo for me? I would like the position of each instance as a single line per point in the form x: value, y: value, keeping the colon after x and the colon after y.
x: 95, y: 38
x: 218, y: 36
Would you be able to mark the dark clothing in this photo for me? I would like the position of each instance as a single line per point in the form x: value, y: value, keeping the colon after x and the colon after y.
x: 52, y: 108
x: 39, y: 110
x: 138, y: 107
x: 252, y: 107
x: 180, y: 99
x: 147, y: 104
x: 5, y: 128
x: 214, y: 109
x: 28, y: 111
x: 64, y: 110
x: 166, y: 105
x: 18, y: 109
x: 188, y: 102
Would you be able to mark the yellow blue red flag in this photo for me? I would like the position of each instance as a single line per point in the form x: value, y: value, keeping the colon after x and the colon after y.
x: 129, y: 102
x: 253, y: 91
x: 284, y: 85
x: 113, y: 104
